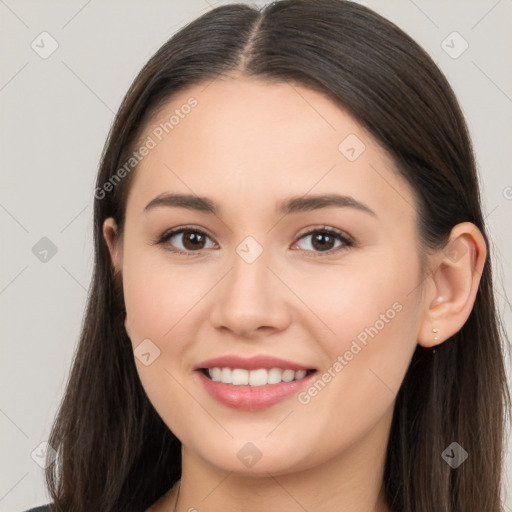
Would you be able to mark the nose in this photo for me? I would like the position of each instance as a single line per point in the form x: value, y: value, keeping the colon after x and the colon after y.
x: 251, y: 301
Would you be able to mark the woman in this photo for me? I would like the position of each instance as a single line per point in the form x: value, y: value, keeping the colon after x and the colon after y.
x: 333, y: 343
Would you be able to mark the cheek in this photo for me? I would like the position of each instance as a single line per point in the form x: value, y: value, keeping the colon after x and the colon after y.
x: 361, y: 300
x: 155, y: 297
x: 163, y: 304
x: 157, y: 302
x: 374, y: 314
x: 357, y: 388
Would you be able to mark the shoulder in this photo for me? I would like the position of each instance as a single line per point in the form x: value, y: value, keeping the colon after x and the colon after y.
x: 43, y: 508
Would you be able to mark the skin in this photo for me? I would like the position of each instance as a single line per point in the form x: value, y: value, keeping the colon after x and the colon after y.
x: 248, y: 145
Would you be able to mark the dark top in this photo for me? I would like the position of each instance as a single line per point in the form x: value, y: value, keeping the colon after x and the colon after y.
x: 43, y: 508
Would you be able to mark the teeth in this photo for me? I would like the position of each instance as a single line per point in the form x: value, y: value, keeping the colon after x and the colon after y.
x: 239, y: 377
x: 225, y: 375
x: 259, y: 377
x: 215, y: 374
x: 288, y: 375
x: 274, y: 376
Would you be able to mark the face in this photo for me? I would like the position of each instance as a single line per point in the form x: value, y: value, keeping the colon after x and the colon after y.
x: 330, y: 285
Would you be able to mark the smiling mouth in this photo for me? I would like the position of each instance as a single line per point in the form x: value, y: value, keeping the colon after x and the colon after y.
x: 254, y: 378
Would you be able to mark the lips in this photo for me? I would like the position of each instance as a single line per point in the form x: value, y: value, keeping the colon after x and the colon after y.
x: 258, y: 395
x: 251, y: 363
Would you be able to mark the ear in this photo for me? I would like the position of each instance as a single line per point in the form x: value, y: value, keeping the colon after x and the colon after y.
x: 452, y: 286
x: 111, y: 235
x: 111, y: 238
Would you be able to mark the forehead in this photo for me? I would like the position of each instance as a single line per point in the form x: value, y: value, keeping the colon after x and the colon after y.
x: 259, y: 141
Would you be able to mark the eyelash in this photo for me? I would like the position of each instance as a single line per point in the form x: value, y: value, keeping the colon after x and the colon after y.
x: 346, y: 241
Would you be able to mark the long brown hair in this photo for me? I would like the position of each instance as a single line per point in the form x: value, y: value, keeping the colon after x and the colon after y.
x: 115, y: 454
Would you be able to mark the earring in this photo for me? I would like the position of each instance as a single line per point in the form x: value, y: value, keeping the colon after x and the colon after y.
x: 435, y: 331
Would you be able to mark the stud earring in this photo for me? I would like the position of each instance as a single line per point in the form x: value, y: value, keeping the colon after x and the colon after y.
x: 435, y: 338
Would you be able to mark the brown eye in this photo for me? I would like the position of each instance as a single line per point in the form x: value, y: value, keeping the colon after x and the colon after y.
x: 192, y: 240
x: 185, y: 240
x: 324, y: 241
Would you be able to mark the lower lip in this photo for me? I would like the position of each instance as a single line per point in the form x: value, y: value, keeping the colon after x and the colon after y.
x: 252, y: 398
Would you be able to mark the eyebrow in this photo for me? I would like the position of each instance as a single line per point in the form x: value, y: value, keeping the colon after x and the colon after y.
x: 291, y: 205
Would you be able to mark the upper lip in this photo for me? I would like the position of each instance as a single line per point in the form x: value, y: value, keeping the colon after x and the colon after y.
x: 251, y: 363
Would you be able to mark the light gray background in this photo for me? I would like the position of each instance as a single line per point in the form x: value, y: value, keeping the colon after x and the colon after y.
x: 55, y: 116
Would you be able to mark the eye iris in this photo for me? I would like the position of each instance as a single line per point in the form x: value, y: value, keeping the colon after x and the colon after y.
x: 196, y: 239
x: 322, y: 238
